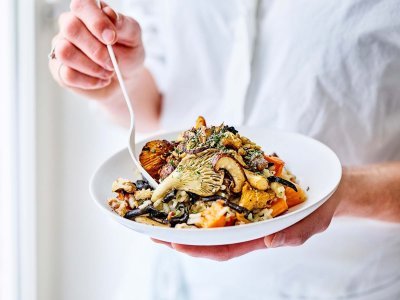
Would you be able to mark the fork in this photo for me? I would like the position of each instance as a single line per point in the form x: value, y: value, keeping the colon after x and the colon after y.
x: 131, y: 139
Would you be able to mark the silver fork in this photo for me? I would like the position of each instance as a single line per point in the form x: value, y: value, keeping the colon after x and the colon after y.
x: 131, y: 140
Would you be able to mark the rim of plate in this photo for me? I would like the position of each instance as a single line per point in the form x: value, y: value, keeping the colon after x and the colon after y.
x: 228, y: 228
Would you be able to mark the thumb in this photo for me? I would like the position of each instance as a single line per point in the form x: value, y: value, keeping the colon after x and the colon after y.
x: 128, y: 29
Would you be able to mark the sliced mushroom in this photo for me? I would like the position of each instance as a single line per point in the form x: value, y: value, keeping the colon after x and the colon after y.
x: 149, y: 209
x: 181, y: 219
x: 142, y: 184
x: 213, y: 198
x: 169, y: 196
x: 258, y: 182
x: 154, y: 155
x: 232, y: 166
x: 240, y: 209
x: 149, y: 221
x: 236, y: 156
x: 194, y: 174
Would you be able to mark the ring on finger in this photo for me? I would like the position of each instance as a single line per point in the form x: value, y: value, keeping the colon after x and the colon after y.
x: 60, y: 65
x: 52, y: 54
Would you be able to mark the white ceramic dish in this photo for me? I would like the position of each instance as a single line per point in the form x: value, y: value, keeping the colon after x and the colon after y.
x: 315, y: 165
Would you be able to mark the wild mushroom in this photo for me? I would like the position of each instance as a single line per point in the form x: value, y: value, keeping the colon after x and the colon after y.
x: 232, y: 166
x: 154, y: 155
x: 195, y: 174
x: 180, y: 219
x: 240, y: 209
x: 150, y: 221
x: 213, y: 198
x: 149, y: 209
x: 142, y: 184
x: 258, y: 182
x: 236, y: 156
x: 169, y: 196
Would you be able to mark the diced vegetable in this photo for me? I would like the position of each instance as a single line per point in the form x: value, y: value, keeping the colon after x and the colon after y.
x: 213, y: 216
x: 279, y: 206
x: 278, y: 163
x: 293, y: 198
x: 254, y: 199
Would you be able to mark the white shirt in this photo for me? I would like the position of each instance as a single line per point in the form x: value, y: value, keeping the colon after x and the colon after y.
x: 328, y: 69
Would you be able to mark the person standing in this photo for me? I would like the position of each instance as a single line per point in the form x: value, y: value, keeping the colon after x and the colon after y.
x: 328, y: 69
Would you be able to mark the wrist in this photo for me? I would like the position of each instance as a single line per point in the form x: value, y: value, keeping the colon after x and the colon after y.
x: 342, y: 193
x: 367, y: 192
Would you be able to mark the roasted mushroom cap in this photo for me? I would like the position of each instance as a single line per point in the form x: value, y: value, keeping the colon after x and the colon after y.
x: 232, y: 166
x: 154, y: 155
x: 258, y: 182
x: 194, y: 174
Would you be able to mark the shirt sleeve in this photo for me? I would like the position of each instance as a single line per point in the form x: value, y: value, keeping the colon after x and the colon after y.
x: 149, y: 15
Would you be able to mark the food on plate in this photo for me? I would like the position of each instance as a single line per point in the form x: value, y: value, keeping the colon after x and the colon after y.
x: 208, y: 177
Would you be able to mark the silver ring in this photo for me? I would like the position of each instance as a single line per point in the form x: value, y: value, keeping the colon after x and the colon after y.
x: 52, y: 54
x: 60, y: 65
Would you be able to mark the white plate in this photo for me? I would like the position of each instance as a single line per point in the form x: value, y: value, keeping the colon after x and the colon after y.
x: 315, y: 165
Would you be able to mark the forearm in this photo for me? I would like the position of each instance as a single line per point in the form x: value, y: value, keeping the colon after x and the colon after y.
x: 146, y: 100
x: 371, y: 191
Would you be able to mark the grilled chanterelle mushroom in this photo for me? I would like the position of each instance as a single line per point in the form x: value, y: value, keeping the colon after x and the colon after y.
x: 194, y: 174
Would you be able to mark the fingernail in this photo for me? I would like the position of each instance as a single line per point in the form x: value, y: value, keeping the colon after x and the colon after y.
x: 112, y: 13
x: 108, y: 36
x: 278, y: 240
